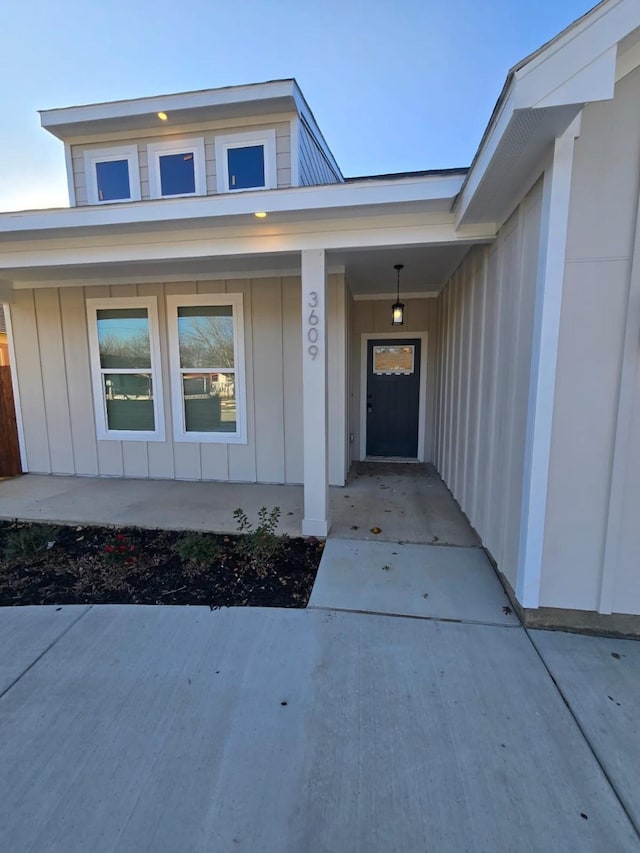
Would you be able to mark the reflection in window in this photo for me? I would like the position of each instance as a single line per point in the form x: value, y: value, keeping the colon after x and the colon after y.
x: 177, y: 175
x: 207, y: 367
x: 112, y: 179
x: 125, y: 350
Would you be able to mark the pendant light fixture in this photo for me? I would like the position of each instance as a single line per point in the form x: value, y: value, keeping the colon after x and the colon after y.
x: 397, y: 309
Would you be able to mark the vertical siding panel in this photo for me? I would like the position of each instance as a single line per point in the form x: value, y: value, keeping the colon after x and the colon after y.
x: 186, y: 454
x: 477, y: 368
x: 292, y: 378
x: 465, y: 372
x: 54, y: 380
x: 76, y: 352
x: 34, y: 420
x: 266, y: 325
x: 214, y: 458
x: 459, y: 350
x: 242, y: 457
x: 160, y: 453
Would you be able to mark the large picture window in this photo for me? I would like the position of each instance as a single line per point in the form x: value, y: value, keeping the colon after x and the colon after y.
x: 207, y: 367
x: 125, y: 360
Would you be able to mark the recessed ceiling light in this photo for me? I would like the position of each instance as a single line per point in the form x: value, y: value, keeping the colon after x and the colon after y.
x: 163, y: 116
x: 260, y: 214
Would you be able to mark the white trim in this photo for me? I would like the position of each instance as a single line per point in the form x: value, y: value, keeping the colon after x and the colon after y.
x: 385, y: 297
x: 624, y: 423
x: 13, y: 366
x: 556, y: 198
x: 103, y: 432
x: 71, y: 183
x: 92, y: 156
x: 180, y: 434
x: 227, y: 141
x: 295, y: 200
x: 365, y: 337
x: 316, y: 519
x: 190, y: 145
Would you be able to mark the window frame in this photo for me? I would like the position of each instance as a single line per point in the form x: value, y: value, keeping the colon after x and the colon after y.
x: 192, y: 145
x: 180, y: 433
x: 248, y: 139
x: 99, y: 401
x: 92, y: 156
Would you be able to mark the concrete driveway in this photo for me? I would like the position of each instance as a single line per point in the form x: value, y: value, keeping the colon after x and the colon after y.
x: 181, y: 729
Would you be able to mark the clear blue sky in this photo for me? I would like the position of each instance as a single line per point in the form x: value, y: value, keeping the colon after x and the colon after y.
x: 395, y: 85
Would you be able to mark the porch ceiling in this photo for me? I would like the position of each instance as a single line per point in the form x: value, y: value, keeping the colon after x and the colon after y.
x: 426, y: 268
x: 369, y: 271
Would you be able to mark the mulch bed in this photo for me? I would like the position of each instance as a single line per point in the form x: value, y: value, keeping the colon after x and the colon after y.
x: 42, y: 564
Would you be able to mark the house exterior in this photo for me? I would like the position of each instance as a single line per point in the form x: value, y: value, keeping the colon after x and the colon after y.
x: 164, y: 327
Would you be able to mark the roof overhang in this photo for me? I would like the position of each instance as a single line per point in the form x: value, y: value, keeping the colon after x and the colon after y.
x: 541, y: 97
x: 137, y: 114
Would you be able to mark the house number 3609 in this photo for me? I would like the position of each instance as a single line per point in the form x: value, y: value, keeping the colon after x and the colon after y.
x: 313, y: 320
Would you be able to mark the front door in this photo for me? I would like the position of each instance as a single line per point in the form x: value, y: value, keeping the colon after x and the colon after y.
x: 393, y: 397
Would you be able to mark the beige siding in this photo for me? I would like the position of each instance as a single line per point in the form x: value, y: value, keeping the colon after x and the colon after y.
x: 315, y: 167
x: 374, y: 317
x: 585, y: 549
x: 283, y: 155
x: 486, y: 325
x: 50, y: 333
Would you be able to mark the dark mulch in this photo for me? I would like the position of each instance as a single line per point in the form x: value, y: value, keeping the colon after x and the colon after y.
x: 101, y: 565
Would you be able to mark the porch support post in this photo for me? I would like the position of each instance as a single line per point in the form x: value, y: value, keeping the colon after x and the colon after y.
x: 315, y: 521
x: 556, y: 198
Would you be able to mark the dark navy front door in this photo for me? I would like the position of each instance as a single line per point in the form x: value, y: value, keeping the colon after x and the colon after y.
x: 393, y: 397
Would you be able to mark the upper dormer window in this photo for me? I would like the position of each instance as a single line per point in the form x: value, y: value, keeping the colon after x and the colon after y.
x: 177, y: 168
x: 246, y: 161
x: 112, y: 174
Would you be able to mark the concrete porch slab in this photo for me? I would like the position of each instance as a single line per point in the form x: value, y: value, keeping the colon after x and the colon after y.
x: 165, y: 729
x: 408, y: 502
x: 600, y: 679
x: 438, y: 582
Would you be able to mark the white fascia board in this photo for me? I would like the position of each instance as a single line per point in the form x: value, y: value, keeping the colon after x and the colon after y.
x: 486, y: 152
x: 294, y: 200
x: 69, y: 116
x: 572, y: 52
x: 578, y: 66
x: 210, y: 242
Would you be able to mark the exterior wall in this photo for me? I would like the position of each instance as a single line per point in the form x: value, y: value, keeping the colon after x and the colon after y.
x: 486, y: 316
x: 314, y: 166
x: 52, y: 358
x: 283, y: 154
x: 373, y: 316
x: 4, y: 345
x: 586, y: 549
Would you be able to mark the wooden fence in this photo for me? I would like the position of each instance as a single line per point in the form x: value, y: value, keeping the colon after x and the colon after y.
x: 9, y: 447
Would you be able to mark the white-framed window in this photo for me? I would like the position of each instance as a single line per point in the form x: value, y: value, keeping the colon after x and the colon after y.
x: 112, y: 174
x: 124, y: 351
x: 246, y: 161
x: 206, y: 354
x: 177, y: 168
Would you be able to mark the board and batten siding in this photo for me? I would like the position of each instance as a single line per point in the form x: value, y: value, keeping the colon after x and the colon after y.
x: 486, y: 314
x: 591, y: 556
x: 53, y: 369
x: 314, y: 166
x: 283, y: 155
x: 373, y: 316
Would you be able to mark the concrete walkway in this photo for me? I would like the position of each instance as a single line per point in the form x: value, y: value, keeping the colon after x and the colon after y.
x: 181, y: 729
